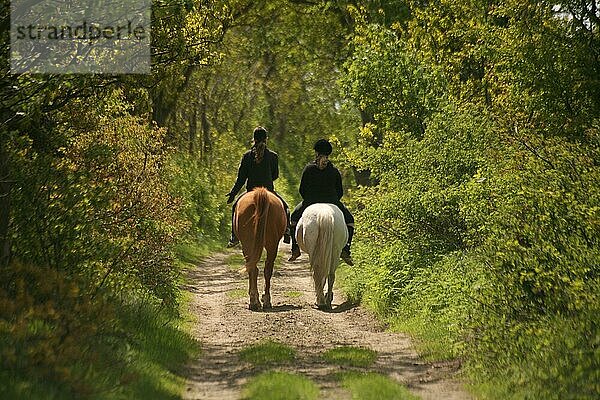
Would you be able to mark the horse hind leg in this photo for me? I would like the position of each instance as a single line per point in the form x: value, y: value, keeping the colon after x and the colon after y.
x: 253, y: 287
x: 319, y: 285
x: 330, y: 282
x: 266, y: 299
x: 269, y: 265
x: 329, y: 298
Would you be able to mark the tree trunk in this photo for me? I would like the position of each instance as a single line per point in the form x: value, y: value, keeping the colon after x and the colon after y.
x: 192, y: 130
x: 363, y: 177
x: 205, y: 126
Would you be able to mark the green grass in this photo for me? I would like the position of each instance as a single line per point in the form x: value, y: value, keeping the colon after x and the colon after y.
x: 275, y: 385
x: 268, y: 353
x: 432, y: 340
x: 293, y: 294
x: 279, y: 259
x: 16, y: 385
x: 192, y: 253
x: 237, y: 293
x: 371, y: 386
x: 137, y: 350
x: 161, y: 348
x: 143, y: 361
x: 350, y: 356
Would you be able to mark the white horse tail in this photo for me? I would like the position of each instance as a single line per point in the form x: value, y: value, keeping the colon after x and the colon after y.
x: 322, y: 252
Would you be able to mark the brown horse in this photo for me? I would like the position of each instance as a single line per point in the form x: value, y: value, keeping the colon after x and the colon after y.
x: 259, y: 223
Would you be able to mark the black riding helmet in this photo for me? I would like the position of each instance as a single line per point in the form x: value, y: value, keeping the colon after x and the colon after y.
x: 260, y: 134
x: 322, y: 146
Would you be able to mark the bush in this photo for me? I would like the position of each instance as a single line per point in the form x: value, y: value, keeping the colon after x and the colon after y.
x: 51, y: 328
x: 99, y: 206
x: 486, y: 251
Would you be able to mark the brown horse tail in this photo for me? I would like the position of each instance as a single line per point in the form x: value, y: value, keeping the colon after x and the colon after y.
x: 260, y: 217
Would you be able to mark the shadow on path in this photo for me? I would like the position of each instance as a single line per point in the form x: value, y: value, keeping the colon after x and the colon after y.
x: 282, y: 308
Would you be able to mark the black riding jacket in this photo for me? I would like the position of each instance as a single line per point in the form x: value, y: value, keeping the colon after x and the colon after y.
x: 321, y: 186
x: 255, y: 175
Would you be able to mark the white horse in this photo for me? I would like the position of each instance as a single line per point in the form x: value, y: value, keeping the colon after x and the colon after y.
x: 322, y: 233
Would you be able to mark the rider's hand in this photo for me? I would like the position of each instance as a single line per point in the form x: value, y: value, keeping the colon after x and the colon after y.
x: 230, y: 197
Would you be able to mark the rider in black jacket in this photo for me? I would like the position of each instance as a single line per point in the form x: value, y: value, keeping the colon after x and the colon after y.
x: 321, y: 183
x: 259, y: 167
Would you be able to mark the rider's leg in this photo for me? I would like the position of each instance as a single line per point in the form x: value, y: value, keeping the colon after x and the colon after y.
x: 294, y: 218
x: 350, y: 235
x: 286, y: 235
x: 233, y: 241
x: 349, y: 219
x: 288, y: 227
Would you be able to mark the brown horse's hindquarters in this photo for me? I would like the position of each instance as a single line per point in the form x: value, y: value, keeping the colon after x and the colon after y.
x: 272, y: 224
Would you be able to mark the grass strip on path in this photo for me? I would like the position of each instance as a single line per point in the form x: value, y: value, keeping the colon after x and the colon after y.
x: 275, y: 385
x: 292, y: 294
x: 237, y: 293
x: 268, y: 353
x: 350, y: 356
x: 372, y: 386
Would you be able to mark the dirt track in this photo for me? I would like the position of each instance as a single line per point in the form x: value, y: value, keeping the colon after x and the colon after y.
x: 225, y: 326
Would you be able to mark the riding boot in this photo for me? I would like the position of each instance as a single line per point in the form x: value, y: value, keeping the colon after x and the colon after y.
x: 286, y: 235
x: 295, y: 247
x: 233, y: 241
x: 350, y: 236
x: 345, y: 256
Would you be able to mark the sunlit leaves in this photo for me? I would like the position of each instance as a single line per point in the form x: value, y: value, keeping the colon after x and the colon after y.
x: 498, y: 185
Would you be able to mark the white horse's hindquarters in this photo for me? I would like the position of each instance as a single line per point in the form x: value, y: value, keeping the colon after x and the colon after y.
x: 307, y: 231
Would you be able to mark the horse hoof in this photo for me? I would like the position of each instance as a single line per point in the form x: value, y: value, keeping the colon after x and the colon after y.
x: 254, y: 307
x: 266, y: 301
x: 324, y: 307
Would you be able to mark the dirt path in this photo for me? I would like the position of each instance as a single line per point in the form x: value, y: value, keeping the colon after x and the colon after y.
x: 225, y: 326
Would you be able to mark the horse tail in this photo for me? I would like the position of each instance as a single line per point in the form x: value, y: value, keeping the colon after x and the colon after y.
x: 260, y: 218
x: 323, y: 250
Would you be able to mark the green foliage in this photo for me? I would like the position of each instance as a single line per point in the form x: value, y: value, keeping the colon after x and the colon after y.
x: 59, y: 342
x: 199, y: 190
x: 479, y: 137
x: 190, y: 254
x: 94, y: 201
x: 268, y: 353
x: 384, y: 75
x: 280, y: 386
x: 99, y: 206
x: 371, y: 386
x: 160, y: 346
x: 350, y: 356
x: 481, y: 232
x: 48, y: 324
